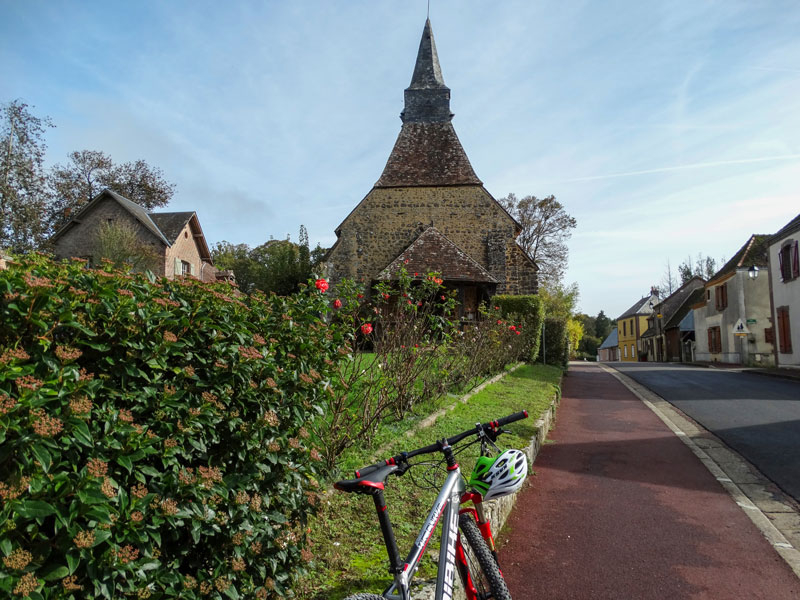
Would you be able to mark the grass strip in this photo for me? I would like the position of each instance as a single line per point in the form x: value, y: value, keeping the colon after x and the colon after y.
x: 349, y: 555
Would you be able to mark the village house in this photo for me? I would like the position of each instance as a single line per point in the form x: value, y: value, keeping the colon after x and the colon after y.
x: 784, y: 279
x: 609, y: 349
x: 662, y: 340
x: 428, y: 211
x: 175, y: 239
x: 733, y: 319
x: 632, y: 324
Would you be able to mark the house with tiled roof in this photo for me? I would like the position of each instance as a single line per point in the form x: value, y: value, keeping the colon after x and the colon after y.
x: 174, y: 238
x: 429, y: 208
x: 662, y: 339
x: 733, y: 320
x: 784, y: 276
x: 632, y: 325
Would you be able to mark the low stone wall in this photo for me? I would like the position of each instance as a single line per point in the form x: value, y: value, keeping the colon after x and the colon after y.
x: 499, y: 509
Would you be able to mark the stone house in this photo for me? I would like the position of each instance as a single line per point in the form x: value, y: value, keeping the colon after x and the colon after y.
x: 174, y: 238
x: 632, y: 324
x: 733, y: 322
x: 662, y: 340
x: 784, y: 280
x: 429, y: 208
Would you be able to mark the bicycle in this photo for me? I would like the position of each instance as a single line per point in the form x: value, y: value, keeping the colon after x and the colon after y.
x: 467, y: 545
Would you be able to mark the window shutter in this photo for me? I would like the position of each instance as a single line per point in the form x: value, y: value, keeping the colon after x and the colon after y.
x: 710, y: 340
x: 795, y: 261
x: 769, y: 335
x: 191, y: 269
x: 724, y: 295
x: 177, y: 267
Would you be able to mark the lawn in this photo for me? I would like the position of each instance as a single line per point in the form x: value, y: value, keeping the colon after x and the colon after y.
x: 349, y: 555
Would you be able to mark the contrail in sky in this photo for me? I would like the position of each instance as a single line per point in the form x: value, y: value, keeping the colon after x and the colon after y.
x: 701, y: 165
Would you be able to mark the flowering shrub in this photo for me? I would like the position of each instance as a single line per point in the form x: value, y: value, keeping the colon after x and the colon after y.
x: 528, y: 313
x: 153, y: 434
x: 420, y: 351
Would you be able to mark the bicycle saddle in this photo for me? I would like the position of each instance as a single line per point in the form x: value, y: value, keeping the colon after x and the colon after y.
x: 368, y: 484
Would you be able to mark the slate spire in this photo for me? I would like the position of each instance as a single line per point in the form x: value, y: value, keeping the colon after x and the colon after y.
x: 427, y: 99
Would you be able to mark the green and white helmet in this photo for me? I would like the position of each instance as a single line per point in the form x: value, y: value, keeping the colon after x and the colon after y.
x: 501, y: 475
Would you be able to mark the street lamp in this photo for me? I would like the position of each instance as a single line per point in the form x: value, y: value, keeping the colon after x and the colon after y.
x: 752, y: 272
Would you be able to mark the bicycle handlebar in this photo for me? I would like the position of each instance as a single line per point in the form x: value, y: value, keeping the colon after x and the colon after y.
x: 404, y: 456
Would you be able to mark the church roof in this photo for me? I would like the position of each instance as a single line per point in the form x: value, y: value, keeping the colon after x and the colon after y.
x: 433, y: 252
x: 427, y: 151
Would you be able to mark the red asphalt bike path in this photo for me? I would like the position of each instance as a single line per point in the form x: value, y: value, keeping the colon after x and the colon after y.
x: 620, y: 508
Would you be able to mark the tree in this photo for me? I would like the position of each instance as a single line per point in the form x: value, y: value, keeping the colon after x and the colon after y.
x: 602, y: 325
x: 88, y: 172
x: 22, y: 187
x: 560, y: 300
x: 278, y: 266
x: 120, y: 243
x: 546, y: 227
x: 703, y: 266
x: 250, y: 275
x: 669, y: 282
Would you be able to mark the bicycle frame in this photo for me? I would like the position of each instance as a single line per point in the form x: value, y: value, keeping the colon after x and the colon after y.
x: 447, y: 503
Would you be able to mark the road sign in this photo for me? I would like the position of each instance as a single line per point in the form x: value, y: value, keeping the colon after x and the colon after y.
x: 751, y: 321
x: 739, y: 328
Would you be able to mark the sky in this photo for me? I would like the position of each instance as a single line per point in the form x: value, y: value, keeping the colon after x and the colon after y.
x: 666, y: 129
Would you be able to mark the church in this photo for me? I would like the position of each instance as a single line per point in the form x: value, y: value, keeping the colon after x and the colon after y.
x: 428, y: 211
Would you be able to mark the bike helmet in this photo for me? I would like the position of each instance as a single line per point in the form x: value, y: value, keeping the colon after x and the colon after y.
x: 501, y: 475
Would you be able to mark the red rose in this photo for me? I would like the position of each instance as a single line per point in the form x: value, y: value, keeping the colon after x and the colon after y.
x: 415, y: 274
x: 385, y: 296
x: 360, y: 296
x: 366, y: 328
x: 511, y: 328
x: 322, y: 285
x: 419, y: 303
x: 442, y: 297
x: 517, y: 332
x: 337, y: 303
x: 499, y: 322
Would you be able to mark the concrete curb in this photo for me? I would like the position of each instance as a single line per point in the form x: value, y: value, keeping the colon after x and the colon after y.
x: 498, y: 510
x: 775, y: 515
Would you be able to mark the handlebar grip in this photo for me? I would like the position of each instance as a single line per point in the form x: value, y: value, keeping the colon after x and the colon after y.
x: 509, y: 419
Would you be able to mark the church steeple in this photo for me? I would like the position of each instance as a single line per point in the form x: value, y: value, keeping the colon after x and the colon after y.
x: 427, y: 99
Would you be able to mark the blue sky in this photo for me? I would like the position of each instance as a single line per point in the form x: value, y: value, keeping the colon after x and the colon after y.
x: 665, y: 129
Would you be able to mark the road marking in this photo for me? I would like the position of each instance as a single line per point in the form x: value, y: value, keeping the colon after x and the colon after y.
x: 774, y: 536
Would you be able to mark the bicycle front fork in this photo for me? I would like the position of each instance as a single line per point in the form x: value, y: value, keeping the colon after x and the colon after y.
x: 479, y: 514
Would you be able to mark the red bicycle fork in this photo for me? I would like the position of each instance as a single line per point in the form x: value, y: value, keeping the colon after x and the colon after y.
x: 477, y: 512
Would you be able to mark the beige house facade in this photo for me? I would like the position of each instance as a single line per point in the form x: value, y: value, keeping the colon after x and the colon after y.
x: 175, y: 239
x: 733, y: 321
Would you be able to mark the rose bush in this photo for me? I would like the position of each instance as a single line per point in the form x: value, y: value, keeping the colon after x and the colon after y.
x: 153, y: 434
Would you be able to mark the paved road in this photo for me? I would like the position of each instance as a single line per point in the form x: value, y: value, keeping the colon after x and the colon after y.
x: 757, y: 416
x: 620, y: 508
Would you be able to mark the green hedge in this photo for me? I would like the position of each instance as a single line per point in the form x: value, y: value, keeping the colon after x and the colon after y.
x: 152, y: 439
x: 528, y: 311
x: 556, y: 342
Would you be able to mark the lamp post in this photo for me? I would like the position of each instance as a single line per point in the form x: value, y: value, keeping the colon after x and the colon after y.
x: 752, y: 272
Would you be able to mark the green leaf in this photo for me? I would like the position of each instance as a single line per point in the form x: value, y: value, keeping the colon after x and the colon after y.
x: 81, y: 431
x: 43, y: 456
x: 35, y: 508
x: 125, y: 462
x: 73, y: 560
x: 5, y: 546
x: 100, y: 536
x: 54, y: 572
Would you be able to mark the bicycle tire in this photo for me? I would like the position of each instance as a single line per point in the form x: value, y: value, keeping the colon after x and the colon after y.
x: 482, y: 567
x: 365, y: 597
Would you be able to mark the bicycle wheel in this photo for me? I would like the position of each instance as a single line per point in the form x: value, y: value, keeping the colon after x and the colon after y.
x: 365, y: 597
x: 482, y: 572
